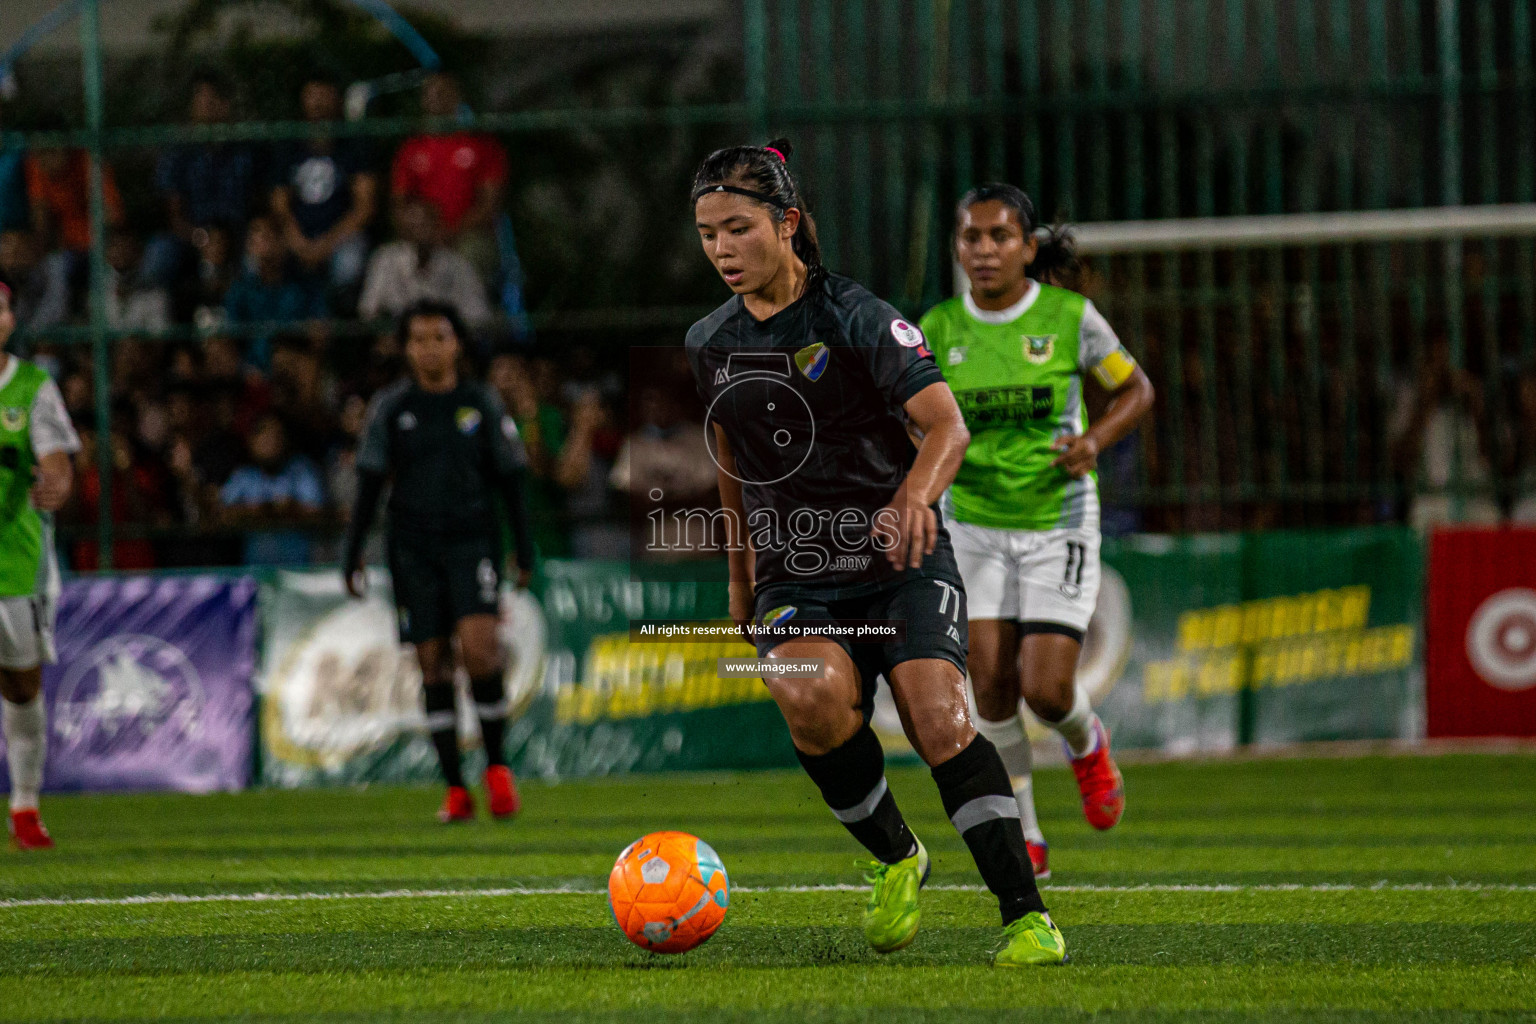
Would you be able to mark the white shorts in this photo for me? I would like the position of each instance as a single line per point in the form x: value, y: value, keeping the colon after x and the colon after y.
x: 26, y: 631
x: 1044, y: 578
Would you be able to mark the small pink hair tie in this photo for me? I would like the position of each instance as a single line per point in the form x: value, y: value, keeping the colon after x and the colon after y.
x: 776, y: 153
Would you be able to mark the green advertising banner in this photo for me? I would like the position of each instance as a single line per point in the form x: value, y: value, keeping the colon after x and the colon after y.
x: 341, y: 698
x: 613, y: 704
x: 1200, y: 643
x: 1270, y: 638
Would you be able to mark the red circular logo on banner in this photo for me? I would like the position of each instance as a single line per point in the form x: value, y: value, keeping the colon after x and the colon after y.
x: 1501, y: 639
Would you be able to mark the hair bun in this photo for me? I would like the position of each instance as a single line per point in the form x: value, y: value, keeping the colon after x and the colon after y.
x: 781, y: 147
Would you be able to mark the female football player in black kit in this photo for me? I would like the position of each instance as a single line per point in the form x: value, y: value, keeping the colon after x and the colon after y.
x: 834, y: 435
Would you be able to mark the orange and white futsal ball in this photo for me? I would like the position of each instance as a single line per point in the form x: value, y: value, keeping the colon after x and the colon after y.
x: 668, y: 892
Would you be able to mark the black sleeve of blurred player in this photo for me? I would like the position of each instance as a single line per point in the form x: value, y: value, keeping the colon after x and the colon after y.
x: 370, y: 487
x: 509, y: 461
x: 373, y: 456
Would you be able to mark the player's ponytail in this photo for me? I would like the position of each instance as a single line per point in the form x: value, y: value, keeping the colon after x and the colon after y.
x: 762, y: 173
x: 1056, y: 260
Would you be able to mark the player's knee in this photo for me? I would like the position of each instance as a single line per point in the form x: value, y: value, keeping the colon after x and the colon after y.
x: 1051, y: 699
x: 996, y: 686
x: 19, y: 687
x: 482, y: 659
x: 817, y: 711
x: 939, y: 733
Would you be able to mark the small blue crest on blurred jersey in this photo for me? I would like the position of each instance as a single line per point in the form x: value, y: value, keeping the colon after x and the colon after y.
x: 709, y: 863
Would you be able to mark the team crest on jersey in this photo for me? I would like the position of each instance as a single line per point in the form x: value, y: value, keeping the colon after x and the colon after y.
x: 14, y: 417
x: 1038, y: 348
x: 468, y: 419
x: 957, y: 355
x: 812, y: 360
x: 407, y: 421
x: 780, y: 615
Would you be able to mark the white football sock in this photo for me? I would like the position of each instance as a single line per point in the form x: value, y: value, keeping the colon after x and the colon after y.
x: 1013, y: 747
x: 1078, y: 727
x: 26, y: 742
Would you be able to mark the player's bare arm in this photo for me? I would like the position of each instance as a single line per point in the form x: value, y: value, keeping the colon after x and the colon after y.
x: 1128, y: 404
x: 55, y: 479
x: 944, y: 438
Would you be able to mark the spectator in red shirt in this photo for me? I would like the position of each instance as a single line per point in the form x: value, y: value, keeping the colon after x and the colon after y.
x: 462, y: 174
x: 59, y: 188
x: 59, y: 191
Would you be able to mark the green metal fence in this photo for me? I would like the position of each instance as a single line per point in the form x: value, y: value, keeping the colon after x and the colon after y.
x: 1294, y: 378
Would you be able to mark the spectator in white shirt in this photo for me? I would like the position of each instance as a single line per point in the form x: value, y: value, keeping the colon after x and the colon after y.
x: 420, y: 266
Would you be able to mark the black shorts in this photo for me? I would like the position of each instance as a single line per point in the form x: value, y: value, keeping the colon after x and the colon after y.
x: 932, y: 609
x: 438, y: 582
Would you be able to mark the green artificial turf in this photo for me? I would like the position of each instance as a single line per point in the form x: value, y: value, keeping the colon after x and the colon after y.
x: 1367, y: 889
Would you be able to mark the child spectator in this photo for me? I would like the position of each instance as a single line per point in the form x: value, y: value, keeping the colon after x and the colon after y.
x: 270, y: 489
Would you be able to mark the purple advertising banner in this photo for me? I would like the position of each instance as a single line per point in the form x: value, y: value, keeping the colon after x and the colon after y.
x: 153, y: 686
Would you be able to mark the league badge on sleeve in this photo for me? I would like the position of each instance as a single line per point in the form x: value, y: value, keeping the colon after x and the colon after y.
x: 909, y: 336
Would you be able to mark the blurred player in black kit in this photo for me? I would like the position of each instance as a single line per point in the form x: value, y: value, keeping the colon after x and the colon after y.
x: 450, y: 452
x: 834, y: 435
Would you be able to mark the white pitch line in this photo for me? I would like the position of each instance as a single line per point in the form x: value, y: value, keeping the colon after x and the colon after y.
x: 422, y: 894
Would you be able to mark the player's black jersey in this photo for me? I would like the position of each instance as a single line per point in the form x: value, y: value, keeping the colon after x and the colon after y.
x: 811, y: 402
x: 448, y: 453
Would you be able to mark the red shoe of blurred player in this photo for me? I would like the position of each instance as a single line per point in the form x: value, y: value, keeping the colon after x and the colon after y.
x: 27, y: 832
x: 1100, y: 783
x: 458, y: 805
x: 1039, y: 859
x: 501, y: 790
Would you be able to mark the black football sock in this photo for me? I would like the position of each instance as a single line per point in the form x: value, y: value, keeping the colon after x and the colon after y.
x: 979, y: 801
x: 443, y: 726
x: 490, y: 695
x: 852, y: 781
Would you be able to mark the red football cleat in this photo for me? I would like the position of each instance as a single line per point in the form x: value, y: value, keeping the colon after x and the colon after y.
x: 458, y: 805
x: 1100, y: 783
x: 501, y: 789
x: 1039, y: 859
x: 27, y: 832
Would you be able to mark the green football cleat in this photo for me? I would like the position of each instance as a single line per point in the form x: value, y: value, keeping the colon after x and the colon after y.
x: 891, y: 917
x: 1033, y: 941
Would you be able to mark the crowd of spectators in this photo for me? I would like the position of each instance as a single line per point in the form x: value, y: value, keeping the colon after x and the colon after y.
x: 234, y: 443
